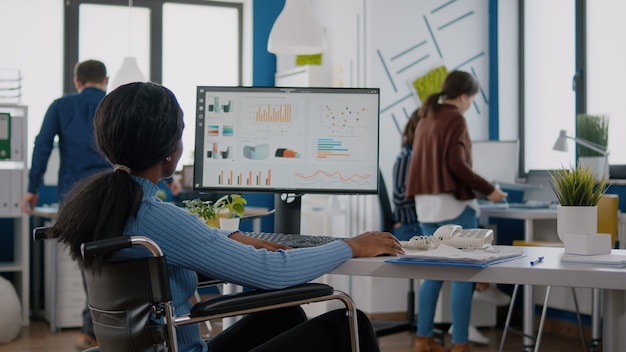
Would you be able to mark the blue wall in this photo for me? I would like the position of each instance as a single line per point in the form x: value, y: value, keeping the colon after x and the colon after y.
x: 264, y: 14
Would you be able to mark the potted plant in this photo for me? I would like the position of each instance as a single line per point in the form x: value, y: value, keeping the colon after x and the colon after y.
x: 229, y: 209
x: 594, y: 129
x: 204, y: 210
x: 578, y: 194
x: 230, y: 206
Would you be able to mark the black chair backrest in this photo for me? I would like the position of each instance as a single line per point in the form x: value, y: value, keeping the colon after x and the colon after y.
x: 386, y: 212
x: 125, y: 300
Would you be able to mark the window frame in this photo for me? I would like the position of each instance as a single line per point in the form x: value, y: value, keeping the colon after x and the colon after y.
x: 579, y: 82
x: 71, y: 34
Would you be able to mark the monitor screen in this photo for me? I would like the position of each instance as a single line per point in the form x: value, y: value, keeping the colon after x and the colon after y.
x: 496, y: 161
x: 287, y: 140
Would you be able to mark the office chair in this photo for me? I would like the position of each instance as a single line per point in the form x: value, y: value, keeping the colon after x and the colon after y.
x: 128, y: 298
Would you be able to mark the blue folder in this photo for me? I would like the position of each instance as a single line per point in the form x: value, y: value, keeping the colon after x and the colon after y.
x: 479, y: 265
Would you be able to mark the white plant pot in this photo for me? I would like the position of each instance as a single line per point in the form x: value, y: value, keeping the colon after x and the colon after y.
x: 229, y: 223
x: 578, y: 220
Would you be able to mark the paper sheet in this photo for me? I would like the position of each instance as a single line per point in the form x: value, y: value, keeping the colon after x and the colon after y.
x: 445, y: 253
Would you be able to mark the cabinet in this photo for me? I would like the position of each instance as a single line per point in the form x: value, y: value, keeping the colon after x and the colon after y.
x: 13, y: 176
x: 64, y: 295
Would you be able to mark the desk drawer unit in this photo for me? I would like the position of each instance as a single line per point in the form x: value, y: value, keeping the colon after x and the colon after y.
x: 64, y: 294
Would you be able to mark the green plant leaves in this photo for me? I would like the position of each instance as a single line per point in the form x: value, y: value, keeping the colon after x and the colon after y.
x: 230, y: 205
x: 577, y: 186
x: 204, y: 209
x: 593, y: 128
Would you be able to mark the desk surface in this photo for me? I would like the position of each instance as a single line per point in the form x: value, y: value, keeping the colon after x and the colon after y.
x: 517, y: 271
x: 46, y: 212
x: 519, y: 213
x: 52, y: 212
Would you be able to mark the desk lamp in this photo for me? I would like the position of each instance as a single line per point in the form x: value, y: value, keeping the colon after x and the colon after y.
x: 600, y: 165
x: 561, y: 144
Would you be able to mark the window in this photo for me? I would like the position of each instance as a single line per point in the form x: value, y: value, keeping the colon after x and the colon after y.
x: 111, y: 44
x: 179, y: 43
x: 605, y: 76
x: 208, y: 56
x: 36, y: 53
x: 555, y: 50
x: 549, y: 101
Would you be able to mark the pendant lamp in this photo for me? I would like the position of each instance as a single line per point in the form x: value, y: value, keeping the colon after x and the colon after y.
x: 296, y: 31
x: 129, y: 72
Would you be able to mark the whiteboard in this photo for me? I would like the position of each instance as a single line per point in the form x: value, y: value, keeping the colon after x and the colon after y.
x: 495, y: 161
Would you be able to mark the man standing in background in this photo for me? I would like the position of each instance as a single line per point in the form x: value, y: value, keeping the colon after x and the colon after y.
x: 71, y: 119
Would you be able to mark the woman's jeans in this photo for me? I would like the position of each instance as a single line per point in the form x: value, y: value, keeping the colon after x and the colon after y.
x: 406, y: 231
x: 461, y: 295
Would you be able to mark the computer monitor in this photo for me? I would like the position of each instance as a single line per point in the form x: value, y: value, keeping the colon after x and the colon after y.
x: 496, y: 161
x: 287, y: 140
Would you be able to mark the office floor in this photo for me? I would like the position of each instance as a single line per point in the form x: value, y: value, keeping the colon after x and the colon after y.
x: 37, y: 338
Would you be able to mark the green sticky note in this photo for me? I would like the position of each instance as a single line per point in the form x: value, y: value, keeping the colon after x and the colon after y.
x: 315, y: 59
x: 430, y: 83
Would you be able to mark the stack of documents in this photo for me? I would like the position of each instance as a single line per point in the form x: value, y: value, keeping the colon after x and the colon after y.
x: 447, y: 255
x: 612, y: 259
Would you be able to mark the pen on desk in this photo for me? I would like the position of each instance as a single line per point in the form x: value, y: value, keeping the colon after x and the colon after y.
x: 536, y: 260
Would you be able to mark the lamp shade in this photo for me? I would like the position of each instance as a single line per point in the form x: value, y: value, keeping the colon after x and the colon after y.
x: 296, y: 31
x: 129, y: 72
x: 561, y: 142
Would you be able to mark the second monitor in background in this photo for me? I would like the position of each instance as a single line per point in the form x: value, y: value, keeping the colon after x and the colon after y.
x: 496, y: 161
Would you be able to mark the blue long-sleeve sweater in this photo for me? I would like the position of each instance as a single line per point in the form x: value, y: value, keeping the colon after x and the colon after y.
x: 190, y: 246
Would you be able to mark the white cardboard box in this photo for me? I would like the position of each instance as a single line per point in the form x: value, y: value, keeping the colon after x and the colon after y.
x: 594, y: 244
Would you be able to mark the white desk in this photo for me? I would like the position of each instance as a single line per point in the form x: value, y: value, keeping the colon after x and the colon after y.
x: 528, y: 215
x: 519, y: 271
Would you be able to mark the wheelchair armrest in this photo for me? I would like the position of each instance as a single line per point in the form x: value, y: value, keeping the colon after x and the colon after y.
x: 39, y: 233
x: 113, y: 244
x: 259, y: 298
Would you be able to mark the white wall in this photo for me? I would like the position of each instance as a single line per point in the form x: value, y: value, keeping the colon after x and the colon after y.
x: 372, y: 43
x: 386, y: 44
x: 32, y: 41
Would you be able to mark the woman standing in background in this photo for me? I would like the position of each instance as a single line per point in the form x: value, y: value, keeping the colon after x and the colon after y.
x: 404, y: 216
x: 443, y: 185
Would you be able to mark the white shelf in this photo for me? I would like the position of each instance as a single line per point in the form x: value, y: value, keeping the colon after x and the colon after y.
x: 15, y: 171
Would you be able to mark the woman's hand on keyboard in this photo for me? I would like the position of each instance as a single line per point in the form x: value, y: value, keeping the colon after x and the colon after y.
x: 374, y: 243
x: 257, y: 243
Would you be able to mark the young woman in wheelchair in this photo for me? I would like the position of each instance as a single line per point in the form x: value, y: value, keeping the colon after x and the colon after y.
x: 138, y: 128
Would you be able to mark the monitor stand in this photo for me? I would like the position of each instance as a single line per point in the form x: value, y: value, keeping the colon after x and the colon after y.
x: 287, y: 215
